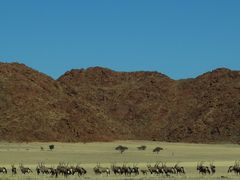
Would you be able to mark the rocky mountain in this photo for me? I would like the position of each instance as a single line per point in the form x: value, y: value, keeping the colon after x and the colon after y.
x: 98, y: 104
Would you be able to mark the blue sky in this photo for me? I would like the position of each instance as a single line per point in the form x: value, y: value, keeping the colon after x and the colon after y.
x: 178, y: 38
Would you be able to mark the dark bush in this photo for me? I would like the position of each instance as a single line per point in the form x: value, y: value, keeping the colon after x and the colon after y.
x: 51, y: 147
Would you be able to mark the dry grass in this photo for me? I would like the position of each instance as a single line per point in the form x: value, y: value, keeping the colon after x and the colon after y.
x: 223, y: 155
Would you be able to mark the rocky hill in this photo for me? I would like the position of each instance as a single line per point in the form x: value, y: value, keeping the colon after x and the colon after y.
x: 98, y: 104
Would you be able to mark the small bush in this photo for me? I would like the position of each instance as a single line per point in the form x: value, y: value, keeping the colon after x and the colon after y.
x: 121, y: 148
x: 51, y: 147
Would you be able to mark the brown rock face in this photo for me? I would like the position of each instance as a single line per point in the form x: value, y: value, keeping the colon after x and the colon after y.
x: 98, y: 104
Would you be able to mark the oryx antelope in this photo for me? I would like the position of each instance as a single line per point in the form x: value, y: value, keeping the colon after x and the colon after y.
x: 179, y: 169
x: 3, y: 170
x: 235, y: 168
x: 14, y: 170
x: 100, y: 170
x: 25, y: 170
x: 202, y: 169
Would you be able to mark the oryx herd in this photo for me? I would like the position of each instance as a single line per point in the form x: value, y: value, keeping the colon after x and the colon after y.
x: 61, y: 169
x: 159, y: 168
x: 129, y: 170
x: 164, y: 169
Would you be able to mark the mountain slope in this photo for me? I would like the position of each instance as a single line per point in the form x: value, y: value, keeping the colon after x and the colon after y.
x: 98, y: 104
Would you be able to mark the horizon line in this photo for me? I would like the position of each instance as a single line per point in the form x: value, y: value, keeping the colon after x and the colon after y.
x: 116, y: 71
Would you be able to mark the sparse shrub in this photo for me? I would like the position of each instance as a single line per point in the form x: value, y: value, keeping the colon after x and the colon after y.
x: 121, y: 148
x: 157, y: 149
x: 142, y: 148
x: 51, y: 147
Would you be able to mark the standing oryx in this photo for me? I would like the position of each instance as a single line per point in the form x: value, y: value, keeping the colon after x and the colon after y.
x: 100, y: 170
x: 212, y: 168
x: 168, y: 170
x: 64, y: 169
x: 14, y: 169
x: 117, y: 170
x: 205, y: 169
x: 25, y: 170
x: 235, y: 168
x: 202, y: 169
x: 179, y: 169
x: 80, y: 170
x: 153, y: 169
x: 41, y: 168
x: 144, y: 171
x: 3, y: 170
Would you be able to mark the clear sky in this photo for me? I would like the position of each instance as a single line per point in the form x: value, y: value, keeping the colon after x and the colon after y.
x: 180, y: 38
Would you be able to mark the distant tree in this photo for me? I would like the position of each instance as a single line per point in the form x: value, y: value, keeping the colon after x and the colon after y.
x: 51, y: 147
x: 42, y: 149
x: 121, y: 148
x: 157, y: 150
x: 142, y: 148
